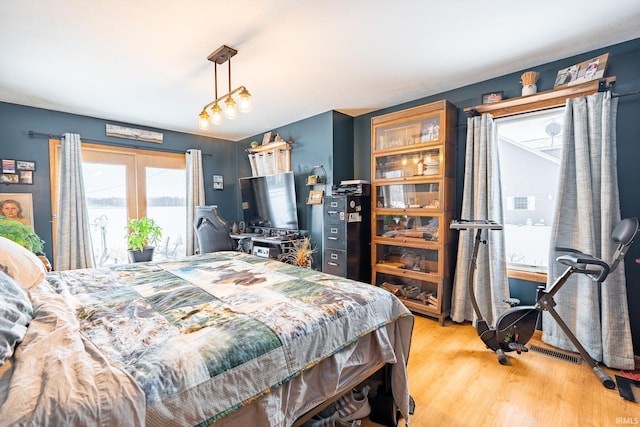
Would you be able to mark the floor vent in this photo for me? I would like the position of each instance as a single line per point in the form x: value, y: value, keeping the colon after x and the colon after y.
x: 557, y: 354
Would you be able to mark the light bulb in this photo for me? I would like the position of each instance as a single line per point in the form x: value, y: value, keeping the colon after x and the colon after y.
x: 216, y: 114
x: 245, y: 100
x: 230, y: 110
x: 204, y: 120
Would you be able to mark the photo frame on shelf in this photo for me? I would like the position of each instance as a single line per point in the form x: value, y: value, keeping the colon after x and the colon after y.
x: 18, y: 206
x: 491, y: 97
x: 315, y: 197
x: 266, y: 138
x: 218, y: 182
x: 583, y: 72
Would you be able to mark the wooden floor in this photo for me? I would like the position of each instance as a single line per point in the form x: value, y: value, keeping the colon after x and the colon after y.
x: 456, y: 381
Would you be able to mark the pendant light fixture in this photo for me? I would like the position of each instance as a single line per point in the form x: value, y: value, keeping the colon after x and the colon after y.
x: 220, y: 56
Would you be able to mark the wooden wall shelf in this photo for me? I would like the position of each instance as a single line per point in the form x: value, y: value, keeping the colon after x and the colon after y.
x: 282, y: 145
x: 541, y: 100
x: 271, y: 158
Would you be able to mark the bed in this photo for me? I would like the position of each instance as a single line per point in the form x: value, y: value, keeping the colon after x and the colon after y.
x: 225, y: 338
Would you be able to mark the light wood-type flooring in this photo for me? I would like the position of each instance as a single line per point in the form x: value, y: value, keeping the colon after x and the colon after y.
x: 457, y: 382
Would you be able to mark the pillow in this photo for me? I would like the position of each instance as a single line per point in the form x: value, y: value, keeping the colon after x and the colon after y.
x: 20, y: 263
x: 15, y: 314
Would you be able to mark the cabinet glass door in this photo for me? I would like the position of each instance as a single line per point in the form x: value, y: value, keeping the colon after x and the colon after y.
x: 416, y: 293
x: 402, y: 260
x: 414, y: 164
x: 410, y: 132
x: 408, y: 228
x: 405, y: 196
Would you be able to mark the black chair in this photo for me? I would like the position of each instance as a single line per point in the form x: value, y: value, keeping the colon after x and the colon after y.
x: 212, y: 231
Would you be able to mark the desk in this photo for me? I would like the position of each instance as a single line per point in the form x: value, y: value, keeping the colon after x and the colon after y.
x: 261, y: 245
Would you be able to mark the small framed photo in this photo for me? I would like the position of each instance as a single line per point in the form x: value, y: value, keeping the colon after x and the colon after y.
x: 9, y: 178
x: 491, y: 97
x: 315, y: 197
x: 23, y: 165
x: 266, y: 138
x: 218, y: 182
x: 8, y: 166
x: 26, y: 177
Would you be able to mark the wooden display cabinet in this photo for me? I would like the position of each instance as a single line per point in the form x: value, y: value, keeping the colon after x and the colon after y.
x: 412, y: 205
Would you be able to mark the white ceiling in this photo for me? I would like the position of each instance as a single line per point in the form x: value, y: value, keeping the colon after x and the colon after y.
x: 145, y: 62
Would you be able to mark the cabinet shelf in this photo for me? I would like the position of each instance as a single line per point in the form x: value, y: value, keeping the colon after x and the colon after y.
x: 413, y: 199
x: 396, y: 270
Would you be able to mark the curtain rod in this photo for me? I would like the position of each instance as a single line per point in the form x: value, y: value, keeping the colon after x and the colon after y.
x: 620, y: 95
x: 101, y: 142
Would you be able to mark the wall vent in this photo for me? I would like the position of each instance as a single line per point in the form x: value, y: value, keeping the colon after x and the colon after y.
x: 557, y: 354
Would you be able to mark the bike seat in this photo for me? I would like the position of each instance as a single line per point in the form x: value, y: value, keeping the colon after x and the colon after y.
x: 586, y: 264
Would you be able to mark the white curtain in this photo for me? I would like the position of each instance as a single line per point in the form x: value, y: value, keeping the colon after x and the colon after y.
x: 481, y: 200
x: 588, y: 208
x: 73, y: 249
x: 195, y: 195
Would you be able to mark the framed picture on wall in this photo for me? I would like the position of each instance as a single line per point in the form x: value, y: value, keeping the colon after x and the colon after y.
x: 218, y: 182
x: 25, y: 177
x: 24, y: 165
x: 8, y: 166
x: 315, y: 197
x: 18, y: 206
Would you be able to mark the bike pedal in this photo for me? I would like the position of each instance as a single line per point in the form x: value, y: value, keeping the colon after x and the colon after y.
x: 514, y: 346
x: 511, y: 301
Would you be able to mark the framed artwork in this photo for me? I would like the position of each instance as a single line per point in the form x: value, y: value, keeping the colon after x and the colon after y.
x: 25, y: 177
x: 8, y: 166
x: 18, y: 206
x: 218, y: 182
x: 9, y: 178
x: 315, y: 197
x: 491, y: 97
x: 266, y: 138
x: 583, y: 72
x: 23, y: 165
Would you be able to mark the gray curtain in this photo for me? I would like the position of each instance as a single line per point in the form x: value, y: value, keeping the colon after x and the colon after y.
x: 73, y: 249
x: 481, y: 200
x: 195, y: 195
x: 587, y: 210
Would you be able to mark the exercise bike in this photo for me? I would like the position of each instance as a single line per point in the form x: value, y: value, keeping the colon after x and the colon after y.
x: 516, y: 325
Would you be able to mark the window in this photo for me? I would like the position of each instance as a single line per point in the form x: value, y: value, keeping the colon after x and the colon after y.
x: 521, y: 203
x: 530, y: 151
x: 126, y: 183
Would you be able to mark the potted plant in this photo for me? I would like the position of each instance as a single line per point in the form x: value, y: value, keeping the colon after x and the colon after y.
x: 143, y: 234
x: 21, y: 234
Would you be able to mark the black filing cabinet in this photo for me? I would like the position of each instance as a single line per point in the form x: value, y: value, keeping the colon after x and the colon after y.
x: 347, y: 236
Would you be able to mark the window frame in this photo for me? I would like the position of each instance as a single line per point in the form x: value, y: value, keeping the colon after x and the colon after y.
x: 137, y: 159
x: 528, y: 104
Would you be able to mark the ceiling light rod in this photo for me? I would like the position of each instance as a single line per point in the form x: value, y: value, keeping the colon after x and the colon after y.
x: 220, y: 56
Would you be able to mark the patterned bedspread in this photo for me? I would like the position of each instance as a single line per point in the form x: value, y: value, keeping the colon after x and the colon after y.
x: 207, y: 335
